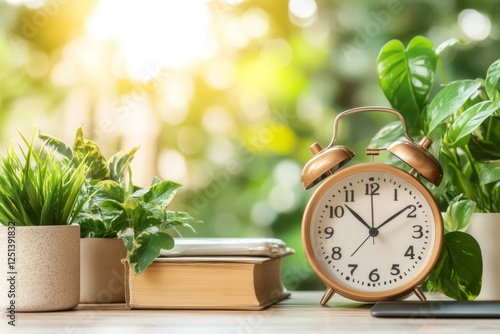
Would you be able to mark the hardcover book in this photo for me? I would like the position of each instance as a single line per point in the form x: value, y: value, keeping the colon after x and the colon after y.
x: 207, y: 282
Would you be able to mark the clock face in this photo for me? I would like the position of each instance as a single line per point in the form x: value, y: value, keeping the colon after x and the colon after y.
x: 372, y: 232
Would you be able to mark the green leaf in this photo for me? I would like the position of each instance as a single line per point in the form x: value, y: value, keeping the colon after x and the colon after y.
x: 108, y: 190
x: 127, y: 235
x: 448, y: 43
x: 493, y: 81
x: 387, y: 135
x: 56, y: 144
x: 485, y: 141
x: 489, y: 172
x: 84, y: 148
x: 119, y: 164
x: 458, y: 214
x: 161, y: 193
x: 150, y: 243
x: 458, y: 271
x: 92, y: 228
x: 177, y: 218
x: 406, y: 75
x: 468, y: 121
x: 461, y: 181
x: 449, y: 100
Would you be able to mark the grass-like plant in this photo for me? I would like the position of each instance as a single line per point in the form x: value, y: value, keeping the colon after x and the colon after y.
x: 38, y: 188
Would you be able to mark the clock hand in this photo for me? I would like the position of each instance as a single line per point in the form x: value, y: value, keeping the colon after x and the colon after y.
x: 373, y: 224
x: 358, y: 217
x: 394, y: 216
x: 368, y: 237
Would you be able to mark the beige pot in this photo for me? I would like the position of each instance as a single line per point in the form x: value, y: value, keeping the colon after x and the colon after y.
x: 40, y: 267
x: 102, y: 272
x: 485, y: 228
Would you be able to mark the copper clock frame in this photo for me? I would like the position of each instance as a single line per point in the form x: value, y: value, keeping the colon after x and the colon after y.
x: 335, y: 286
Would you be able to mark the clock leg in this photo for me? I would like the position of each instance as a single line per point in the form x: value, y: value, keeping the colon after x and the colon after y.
x: 328, y: 294
x: 420, y: 294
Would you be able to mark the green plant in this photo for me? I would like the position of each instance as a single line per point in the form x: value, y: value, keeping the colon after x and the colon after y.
x: 117, y: 208
x: 38, y: 188
x: 463, y: 121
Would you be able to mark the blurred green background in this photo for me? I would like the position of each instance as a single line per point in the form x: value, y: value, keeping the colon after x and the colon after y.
x: 224, y: 97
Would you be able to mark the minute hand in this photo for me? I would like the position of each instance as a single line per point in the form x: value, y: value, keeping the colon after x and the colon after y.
x: 394, y: 216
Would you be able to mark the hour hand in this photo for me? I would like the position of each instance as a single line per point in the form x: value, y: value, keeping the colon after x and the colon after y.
x: 358, y: 217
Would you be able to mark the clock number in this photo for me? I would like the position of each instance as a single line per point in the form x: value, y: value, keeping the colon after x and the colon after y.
x: 329, y: 231
x: 395, y: 195
x: 354, y: 267
x: 338, y: 211
x: 336, y: 254
x: 374, y: 276
x: 409, y: 253
x: 349, y: 195
x: 395, y: 270
x: 412, y: 213
x: 372, y: 189
x: 417, y: 229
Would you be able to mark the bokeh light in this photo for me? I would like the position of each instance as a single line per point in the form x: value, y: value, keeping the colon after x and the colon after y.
x: 152, y: 33
x: 474, y: 24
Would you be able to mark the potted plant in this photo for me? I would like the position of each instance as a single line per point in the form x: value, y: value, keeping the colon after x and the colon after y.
x: 463, y: 122
x: 40, y: 198
x: 120, y: 219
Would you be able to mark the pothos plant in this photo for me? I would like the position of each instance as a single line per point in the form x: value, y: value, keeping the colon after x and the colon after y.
x: 117, y: 208
x: 463, y: 120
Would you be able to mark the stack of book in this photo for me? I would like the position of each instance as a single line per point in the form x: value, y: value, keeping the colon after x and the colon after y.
x: 211, y: 273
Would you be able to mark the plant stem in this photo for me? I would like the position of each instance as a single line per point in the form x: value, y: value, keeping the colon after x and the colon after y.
x: 441, y: 70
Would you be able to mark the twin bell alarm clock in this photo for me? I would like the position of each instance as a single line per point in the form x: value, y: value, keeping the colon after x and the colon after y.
x: 372, y: 231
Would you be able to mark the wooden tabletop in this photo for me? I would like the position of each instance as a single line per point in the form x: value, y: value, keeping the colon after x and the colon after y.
x: 301, y: 313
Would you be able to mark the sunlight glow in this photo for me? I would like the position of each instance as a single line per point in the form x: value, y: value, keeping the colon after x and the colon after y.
x: 303, y: 12
x: 256, y: 22
x: 475, y: 25
x: 152, y: 34
x: 33, y: 4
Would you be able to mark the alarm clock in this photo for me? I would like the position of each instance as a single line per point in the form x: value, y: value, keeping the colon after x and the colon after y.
x: 372, y: 231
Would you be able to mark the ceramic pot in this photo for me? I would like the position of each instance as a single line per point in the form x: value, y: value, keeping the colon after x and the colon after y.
x: 101, y: 270
x: 485, y: 228
x: 40, y: 267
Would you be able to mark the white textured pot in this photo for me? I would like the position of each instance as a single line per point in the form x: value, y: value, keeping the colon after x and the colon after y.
x: 101, y: 270
x: 485, y: 228
x: 40, y: 268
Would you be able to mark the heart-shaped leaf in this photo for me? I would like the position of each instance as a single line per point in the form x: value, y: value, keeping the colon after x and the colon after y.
x: 406, y: 75
x: 150, y: 242
x: 459, y: 214
x: 459, y: 269
x: 161, y: 193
